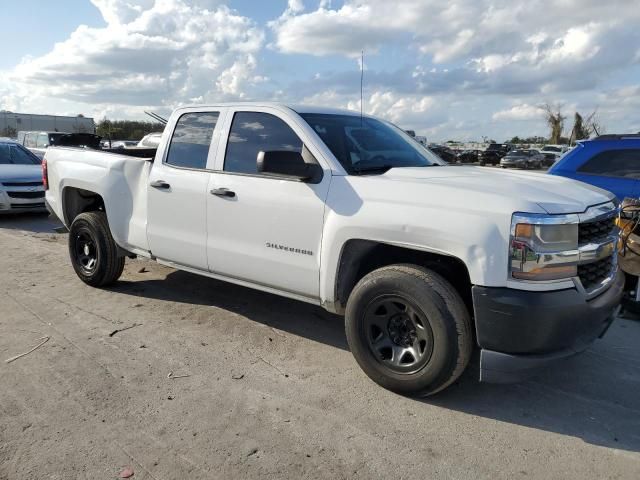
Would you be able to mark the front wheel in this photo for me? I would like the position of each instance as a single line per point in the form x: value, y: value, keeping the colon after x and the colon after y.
x: 93, y: 252
x: 408, y: 329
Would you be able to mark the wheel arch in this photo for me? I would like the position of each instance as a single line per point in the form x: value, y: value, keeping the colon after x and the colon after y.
x: 359, y: 257
x: 77, y: 200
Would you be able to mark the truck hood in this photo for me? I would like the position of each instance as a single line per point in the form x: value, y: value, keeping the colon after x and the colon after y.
x: 553, y: 194
x: 27, y: 173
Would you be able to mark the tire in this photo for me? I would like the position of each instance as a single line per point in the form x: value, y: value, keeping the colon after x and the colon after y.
x: 93, y: 252
x: 439, y: 317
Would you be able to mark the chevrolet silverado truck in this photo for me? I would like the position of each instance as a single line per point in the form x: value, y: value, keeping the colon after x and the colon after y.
x: 424, y: 260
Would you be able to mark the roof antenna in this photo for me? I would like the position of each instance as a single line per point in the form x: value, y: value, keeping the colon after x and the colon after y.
x: 361, y: 79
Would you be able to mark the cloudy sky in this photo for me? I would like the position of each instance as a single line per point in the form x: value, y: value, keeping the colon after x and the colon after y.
x: 459, y: 69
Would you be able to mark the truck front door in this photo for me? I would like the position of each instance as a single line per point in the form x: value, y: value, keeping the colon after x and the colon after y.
x: 177, y: 190
x: 264, y: 229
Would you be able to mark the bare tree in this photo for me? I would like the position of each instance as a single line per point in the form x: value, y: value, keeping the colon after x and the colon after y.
x: 593, y: 124
x: 580, y: 129
x: 555, y: 120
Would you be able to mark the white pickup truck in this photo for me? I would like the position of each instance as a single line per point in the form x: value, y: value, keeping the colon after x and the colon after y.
x: 345, y: 211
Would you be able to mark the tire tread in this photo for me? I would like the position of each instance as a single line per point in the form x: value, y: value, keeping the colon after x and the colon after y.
x: 454, y: 304
x: 114, y: 263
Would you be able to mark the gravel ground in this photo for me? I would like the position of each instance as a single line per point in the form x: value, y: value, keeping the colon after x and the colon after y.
x: 272, y: 390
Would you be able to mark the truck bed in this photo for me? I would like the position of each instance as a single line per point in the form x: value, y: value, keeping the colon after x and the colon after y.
x: 140, y: 152
x: 118, y: 176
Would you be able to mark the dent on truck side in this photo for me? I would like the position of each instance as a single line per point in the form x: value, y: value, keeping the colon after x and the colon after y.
x: 120, y: 182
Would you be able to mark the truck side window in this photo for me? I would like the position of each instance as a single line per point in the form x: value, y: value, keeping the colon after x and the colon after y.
x: 30, y: 140
x: 614, y: 163
x: 189, y: 146
x: 252, y: 132
x: 42, y: 141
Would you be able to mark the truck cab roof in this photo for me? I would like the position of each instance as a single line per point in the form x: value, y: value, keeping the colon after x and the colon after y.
x: 298, y: 108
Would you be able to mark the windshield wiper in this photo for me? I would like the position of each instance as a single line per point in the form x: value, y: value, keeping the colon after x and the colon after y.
x: 384, y: 168
x: 373, y: 168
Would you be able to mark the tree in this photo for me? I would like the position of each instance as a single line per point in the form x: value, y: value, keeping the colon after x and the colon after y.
x: 555, y: 120
x: 594, y: 125
x: 585, y: 127
x: 9, y: 132
x: 579, y: 130
x: 126, y: 129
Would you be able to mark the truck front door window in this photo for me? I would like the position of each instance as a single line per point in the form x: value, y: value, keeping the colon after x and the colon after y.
x: 189, y: 147
x: 252, y: 132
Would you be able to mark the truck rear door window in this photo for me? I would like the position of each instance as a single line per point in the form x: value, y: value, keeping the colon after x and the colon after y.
x: 252, y: 132
x: 614, y: 163
x: 189, y: 146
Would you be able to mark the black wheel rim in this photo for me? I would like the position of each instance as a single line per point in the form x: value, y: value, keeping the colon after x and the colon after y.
x: 86, y: 252
x: 398, y: 334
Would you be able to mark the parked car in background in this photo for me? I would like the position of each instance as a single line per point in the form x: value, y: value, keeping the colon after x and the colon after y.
x: 21, y: 187
x: 468, y: 156
x: 151, y: 140
x: 444, y: 152
x: 611, y: 162
x: 552, y: 153
x: 522, y: 159
x: 38, y: 142
x: 494, y: 153
x: 348, y: 212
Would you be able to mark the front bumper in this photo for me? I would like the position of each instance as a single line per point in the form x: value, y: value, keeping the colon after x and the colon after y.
x: 521, y: 331
x: 512, y: 164
x: 22, y: 199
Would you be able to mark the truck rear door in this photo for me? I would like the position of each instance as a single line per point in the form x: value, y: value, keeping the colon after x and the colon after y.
x: 264, y: 229
x: 177, y: 189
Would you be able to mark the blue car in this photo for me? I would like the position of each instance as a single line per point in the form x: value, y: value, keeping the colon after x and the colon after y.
x: 611, y: 162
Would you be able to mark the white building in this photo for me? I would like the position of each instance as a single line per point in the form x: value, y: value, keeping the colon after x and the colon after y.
x: 11, y: 123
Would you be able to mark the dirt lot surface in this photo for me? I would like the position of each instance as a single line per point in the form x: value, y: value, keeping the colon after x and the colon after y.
x: 272, y: 390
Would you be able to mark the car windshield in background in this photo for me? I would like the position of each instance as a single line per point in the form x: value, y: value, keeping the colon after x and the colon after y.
x: 519, y: 153
x: 552, y: 149
x: 367, y: 145
x: 15, y: 155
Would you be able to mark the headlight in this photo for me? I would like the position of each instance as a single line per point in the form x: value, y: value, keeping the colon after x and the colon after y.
x: 544, y: 247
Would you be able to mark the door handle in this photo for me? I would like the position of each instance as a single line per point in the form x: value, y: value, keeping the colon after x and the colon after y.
x: 223, y: 192
x: 161, y: 184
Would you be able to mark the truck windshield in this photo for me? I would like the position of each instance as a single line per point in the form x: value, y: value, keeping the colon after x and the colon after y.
x: 367, y: 145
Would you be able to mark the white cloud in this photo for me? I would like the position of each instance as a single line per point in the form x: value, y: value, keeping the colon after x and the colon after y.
x: 151, y: 53
x: 519, y: 112
x: 537, y: 40
x: 461, y: 68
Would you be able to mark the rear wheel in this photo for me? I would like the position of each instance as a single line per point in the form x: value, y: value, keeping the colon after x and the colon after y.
x: 93, y: 252
x: 408, y: 329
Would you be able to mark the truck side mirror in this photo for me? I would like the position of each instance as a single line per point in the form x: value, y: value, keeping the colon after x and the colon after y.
x: 297, y: 165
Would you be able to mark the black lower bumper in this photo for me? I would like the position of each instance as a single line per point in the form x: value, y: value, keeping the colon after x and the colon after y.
x: 521, y: 331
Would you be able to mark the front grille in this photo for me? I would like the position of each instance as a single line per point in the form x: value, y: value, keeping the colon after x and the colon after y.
x: 26, y: 194
x: 22, y: 184
x: 595, y: 232
x: 25, y: 206
x: 592, y: 274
